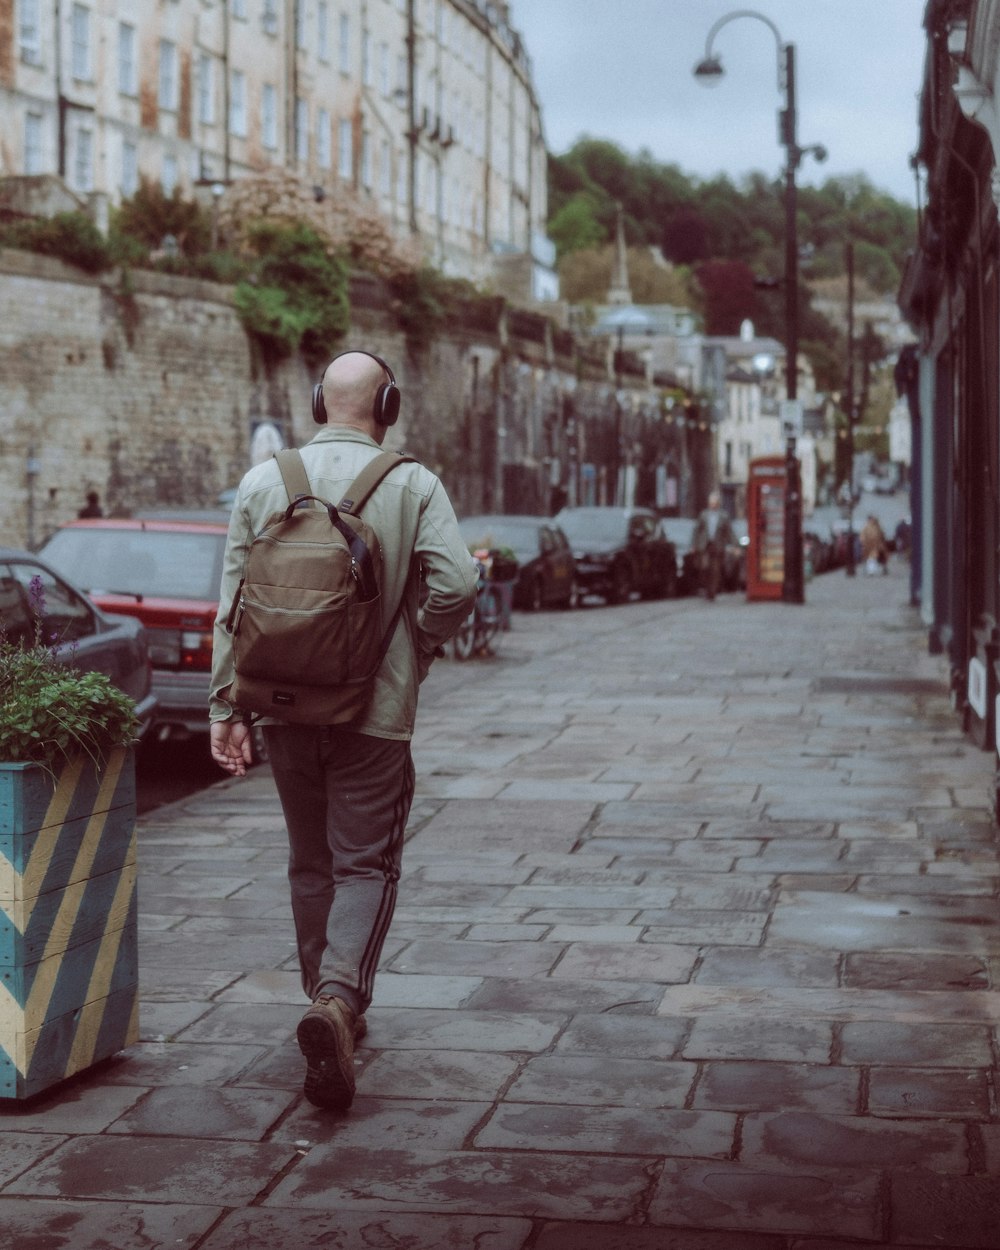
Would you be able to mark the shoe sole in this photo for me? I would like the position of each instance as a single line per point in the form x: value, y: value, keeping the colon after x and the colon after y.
x: 326, y: 1084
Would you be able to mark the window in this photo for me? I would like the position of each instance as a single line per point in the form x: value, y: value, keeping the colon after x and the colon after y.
x: 66, y: 616
x: 366, y: 58
x: 323, y: 31
x: 130, y: 168
x: 239, y: 9
x: 301, y: 130
x: 345, y: 149
x: 270, y: 18
x: 83, y: 159
x: 168, y: 174
x: 385, y: 168
x: 29, y: 31
x: 269, y: 116
x: 323, y: 153
x: 206, y: 90
x: 300, y: 23
x: 128, y: 81
x: 345, y: 43
x: 366, y: 160
x: 168, y: 75
x: 384, y: 81
x: 33, y: 143
x: 238, y: 104
x: 80, y: 39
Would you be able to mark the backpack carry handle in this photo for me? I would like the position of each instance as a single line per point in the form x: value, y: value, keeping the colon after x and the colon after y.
x: 360, y: 555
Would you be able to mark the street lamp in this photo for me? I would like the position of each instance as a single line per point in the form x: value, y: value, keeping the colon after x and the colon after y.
x: 709, y: 70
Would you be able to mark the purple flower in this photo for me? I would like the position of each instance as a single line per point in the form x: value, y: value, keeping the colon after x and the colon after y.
x: 36, y: 595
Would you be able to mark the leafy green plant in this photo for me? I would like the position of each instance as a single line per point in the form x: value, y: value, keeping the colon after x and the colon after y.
x: 296, y: 296
x: 71, y: 237
x: 150, y: 215
x: 51, y: 711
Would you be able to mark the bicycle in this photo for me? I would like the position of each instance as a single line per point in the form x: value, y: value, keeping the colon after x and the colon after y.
x: 479, y: 629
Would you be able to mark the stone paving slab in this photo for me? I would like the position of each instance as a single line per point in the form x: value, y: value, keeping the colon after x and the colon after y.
x: 695, y: 950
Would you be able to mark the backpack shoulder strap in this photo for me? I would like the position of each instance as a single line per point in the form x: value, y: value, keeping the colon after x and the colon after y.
x: 360, y: 490
x: 293, y: 473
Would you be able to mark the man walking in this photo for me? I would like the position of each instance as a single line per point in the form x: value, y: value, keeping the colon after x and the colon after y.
x: 712, y: 534
x: 346, y: 790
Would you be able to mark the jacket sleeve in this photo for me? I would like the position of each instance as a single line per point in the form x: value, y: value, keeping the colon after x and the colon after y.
x: 450, y: 576
x: 237, y: 544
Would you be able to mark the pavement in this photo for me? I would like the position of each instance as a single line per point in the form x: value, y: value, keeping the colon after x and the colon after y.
x: 696, y: 949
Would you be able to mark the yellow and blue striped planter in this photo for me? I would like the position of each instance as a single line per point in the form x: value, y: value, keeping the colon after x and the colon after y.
x: 69, y: 974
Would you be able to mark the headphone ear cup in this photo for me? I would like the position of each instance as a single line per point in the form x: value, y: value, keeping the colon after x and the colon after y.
x: 387, y: 404
x: 319, y: 405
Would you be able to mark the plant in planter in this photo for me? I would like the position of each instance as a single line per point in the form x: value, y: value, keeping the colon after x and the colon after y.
x: 68, y: 932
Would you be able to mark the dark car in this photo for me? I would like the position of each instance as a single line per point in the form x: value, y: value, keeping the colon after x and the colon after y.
x: 166, y: 573
x: 78, y: 631
x: 546, y: 574
x: 680, y: 531
x: 619, y: 551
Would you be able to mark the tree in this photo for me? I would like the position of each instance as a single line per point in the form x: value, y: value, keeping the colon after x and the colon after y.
x: 576, y: 225
x: 729, y: 294
x: 685, y: 237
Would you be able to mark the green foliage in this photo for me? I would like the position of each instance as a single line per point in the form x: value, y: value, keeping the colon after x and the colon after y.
x: 50, y: 712
x: 72, y: 237
x: 720, y: 219
x: 576, y: 226
x: 150, y: 216
x: 296, y: 295
x: 421, y: 300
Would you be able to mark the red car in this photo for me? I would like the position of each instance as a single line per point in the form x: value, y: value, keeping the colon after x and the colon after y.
x: 167, y: 573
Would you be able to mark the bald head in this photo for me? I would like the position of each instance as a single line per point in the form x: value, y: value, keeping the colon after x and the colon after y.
x: 349, y: 388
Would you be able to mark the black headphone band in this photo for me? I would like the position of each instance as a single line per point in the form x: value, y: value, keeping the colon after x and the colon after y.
x: 387, y: 398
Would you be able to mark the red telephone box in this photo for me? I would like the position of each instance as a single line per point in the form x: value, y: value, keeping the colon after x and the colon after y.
x: 766, y: 528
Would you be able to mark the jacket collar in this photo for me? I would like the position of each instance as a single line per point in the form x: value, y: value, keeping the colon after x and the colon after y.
x: 343, y: 434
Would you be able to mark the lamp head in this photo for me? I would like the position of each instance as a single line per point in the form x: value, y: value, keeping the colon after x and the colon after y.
x: 709, y: 71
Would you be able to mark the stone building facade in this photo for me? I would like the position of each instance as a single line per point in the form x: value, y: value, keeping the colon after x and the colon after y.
x: 152, y: 395
x: 424, y: 107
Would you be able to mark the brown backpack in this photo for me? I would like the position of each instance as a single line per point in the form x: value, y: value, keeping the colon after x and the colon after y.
x: 306, y: 620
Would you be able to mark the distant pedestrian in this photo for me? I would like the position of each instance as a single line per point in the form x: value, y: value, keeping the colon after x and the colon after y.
x: 92, y: 508
x: 874, y: 547
x: 346, y: 789
x: 713, y: 533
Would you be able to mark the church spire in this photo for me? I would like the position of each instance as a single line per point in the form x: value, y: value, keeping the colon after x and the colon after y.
x: 620, y: 292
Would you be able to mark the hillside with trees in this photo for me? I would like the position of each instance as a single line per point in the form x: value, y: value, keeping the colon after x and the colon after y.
x: 718, y: 246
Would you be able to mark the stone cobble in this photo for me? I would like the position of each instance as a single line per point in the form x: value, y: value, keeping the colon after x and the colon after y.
x: 696, y: 949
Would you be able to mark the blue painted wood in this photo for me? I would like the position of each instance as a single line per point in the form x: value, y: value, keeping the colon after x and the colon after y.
x: 68, y: 920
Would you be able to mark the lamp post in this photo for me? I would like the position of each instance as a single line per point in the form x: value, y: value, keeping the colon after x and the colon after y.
x: 709, y: 70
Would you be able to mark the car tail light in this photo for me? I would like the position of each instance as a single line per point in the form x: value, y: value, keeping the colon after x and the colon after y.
x: 196, y: 649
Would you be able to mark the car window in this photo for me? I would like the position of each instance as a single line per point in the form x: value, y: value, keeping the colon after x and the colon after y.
x: 168, y: 564
x: 546, y: 540
x: 65, y: 616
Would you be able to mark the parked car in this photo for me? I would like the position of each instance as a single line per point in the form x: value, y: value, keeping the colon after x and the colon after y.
x: 680, y: 531
x: 79, y: 632
x: 165, y: 572
x: 618, y: 551
x: 546, y: 574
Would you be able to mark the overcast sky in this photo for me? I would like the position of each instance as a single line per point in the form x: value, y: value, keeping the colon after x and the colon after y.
x: 621, y: 70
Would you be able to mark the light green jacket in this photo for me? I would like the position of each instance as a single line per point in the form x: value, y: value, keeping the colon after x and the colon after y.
x: 416, y: 526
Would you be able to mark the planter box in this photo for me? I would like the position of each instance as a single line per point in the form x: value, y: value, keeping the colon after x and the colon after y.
x: 69, y: 977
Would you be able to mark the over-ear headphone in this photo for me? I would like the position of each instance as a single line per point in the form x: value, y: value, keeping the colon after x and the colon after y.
x: 385, y: 409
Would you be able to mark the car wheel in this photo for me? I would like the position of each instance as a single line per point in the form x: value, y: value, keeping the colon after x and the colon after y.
x: 621, y: 585
x: 572, y: 600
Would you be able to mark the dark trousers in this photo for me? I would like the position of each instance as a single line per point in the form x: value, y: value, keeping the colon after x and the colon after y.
x: 346, y: 798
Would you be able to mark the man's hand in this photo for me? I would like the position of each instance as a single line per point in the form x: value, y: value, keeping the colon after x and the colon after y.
x: 232, y: 748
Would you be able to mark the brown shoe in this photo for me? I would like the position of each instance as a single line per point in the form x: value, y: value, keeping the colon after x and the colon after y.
x: 326, y: 1039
